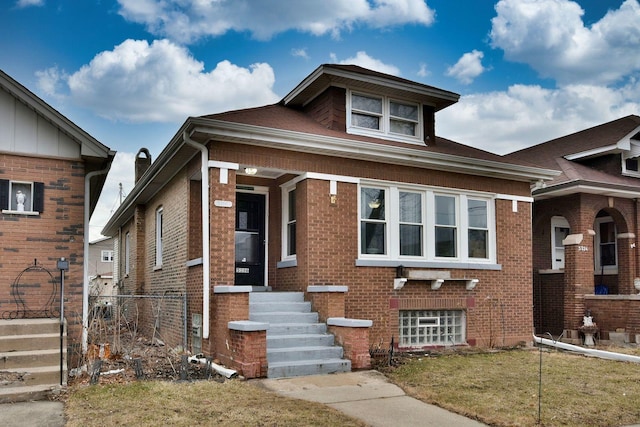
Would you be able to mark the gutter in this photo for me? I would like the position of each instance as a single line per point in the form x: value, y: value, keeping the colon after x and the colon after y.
x: 206, y: 256
x: 85, y: 256
x: 602, y: 354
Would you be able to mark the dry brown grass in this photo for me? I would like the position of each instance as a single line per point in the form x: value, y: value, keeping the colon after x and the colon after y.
x: 501, y: 389
x: 201, y: 403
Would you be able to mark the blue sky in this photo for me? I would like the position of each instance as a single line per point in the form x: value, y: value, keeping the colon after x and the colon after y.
x: 129, y: 72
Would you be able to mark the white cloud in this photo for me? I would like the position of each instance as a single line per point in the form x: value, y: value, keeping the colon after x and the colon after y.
x: 162, y: 82
x: 526, y: 115
x: 121, y: 172
x: 301, y: 53
x: 362, y: 59
x: 26, y: 3
x: 468, y: 67
x: 186, y: 21
x: 423, y: 71
x: 49, y: 80
x: 550, y: 36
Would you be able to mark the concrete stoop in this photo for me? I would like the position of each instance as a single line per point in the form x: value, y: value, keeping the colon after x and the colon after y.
x: 30, y: 359
x: 297, y: 343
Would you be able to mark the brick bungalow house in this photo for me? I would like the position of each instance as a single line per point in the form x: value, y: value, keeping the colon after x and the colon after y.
x: 585, y: 228
x: 343, y: 193
x: 51, y: 175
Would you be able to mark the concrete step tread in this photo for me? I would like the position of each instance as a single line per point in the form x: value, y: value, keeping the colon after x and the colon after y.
x: 30, y: 336
x: 31, y: 352
x: 27, y: 393
x: 298, y: 336
x: 35, y: 369
x: 39, y: 321
x: 304, y: 348
x: 308, y: 362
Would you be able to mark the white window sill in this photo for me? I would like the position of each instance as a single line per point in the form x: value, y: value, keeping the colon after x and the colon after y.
x: 466, y: 265
x: 27, y: 213
x: 157, y: 267
x: 287, y: 263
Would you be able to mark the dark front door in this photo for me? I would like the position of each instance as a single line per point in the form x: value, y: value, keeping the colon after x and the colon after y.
x: 250, y: 239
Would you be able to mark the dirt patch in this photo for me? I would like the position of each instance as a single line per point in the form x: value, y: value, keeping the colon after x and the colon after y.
x: 143, y: 359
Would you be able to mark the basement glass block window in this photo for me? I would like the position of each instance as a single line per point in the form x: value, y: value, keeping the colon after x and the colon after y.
x: 420, y: 328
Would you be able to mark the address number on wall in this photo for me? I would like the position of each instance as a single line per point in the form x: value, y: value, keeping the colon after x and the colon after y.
x: 583, y: 248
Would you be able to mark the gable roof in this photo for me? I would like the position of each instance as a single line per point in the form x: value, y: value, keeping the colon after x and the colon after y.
x: 356, y: 77
x: 564, y: 153
x: 96, y: 155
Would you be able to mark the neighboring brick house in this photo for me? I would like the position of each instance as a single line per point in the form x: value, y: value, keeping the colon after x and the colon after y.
x: 341, y: 191
x: 51, y: 175
x: 585, y: 228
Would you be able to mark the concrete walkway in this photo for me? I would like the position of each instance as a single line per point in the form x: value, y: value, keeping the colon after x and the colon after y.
x: 368, y: 396
x: 42, y: 413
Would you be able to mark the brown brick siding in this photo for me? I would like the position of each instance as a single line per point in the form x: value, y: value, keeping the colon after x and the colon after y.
x: 579, y: 276
x: 56, y: 232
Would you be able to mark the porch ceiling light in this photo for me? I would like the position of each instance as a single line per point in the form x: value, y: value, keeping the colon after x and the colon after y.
x: 250, y: 171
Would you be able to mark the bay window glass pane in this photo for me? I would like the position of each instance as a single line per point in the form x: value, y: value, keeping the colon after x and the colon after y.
x: 291, y: 238
x: 292, y: 205
x: 445, y: 210
x: 372, y: 203
x: 364, y: 121
x: 410, y: 207
x: 366, y: 103
x: 405, y: 111
x: 478, y: 243
x: 373, y: 238
x: 477, y: 210
x: 403, y: 128
x: 410, y: 240
x: 445, y: 242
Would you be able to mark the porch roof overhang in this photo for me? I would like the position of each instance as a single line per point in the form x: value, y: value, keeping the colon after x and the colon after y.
x: 203, y: 130
x: 587, y: 187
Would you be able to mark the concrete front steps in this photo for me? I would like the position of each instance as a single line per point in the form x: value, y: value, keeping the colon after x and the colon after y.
x: 30, y: 359
x: 297, y: 343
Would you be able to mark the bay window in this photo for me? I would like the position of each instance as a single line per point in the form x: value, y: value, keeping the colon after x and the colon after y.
x: 413, y: 224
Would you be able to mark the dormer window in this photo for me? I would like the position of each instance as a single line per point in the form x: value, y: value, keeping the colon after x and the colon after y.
x: 383, y: 117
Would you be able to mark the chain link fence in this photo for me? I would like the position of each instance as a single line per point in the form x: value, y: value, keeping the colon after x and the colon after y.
x: 124, y: 323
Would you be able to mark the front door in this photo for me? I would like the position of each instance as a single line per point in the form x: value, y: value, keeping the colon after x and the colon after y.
x: 250, y: 239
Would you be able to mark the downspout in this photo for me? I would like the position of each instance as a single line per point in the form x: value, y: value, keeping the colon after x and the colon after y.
x: 206, y: 256
x: 85, y: 257
x: 602, y: 354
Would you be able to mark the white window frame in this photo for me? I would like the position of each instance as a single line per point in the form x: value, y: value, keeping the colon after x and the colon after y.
x: 286, y: 222
x: 385, y: 119
x: 431, y: 328
x: 12, y: 208
x: 127, y: 253
x: 608, y: 269
x: 106, y: 256
x: 392, y: 232
x: 557, y: 248
x: 159, y: 236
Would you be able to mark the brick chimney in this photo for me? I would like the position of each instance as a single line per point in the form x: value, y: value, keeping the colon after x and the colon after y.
x: 143, y: 161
